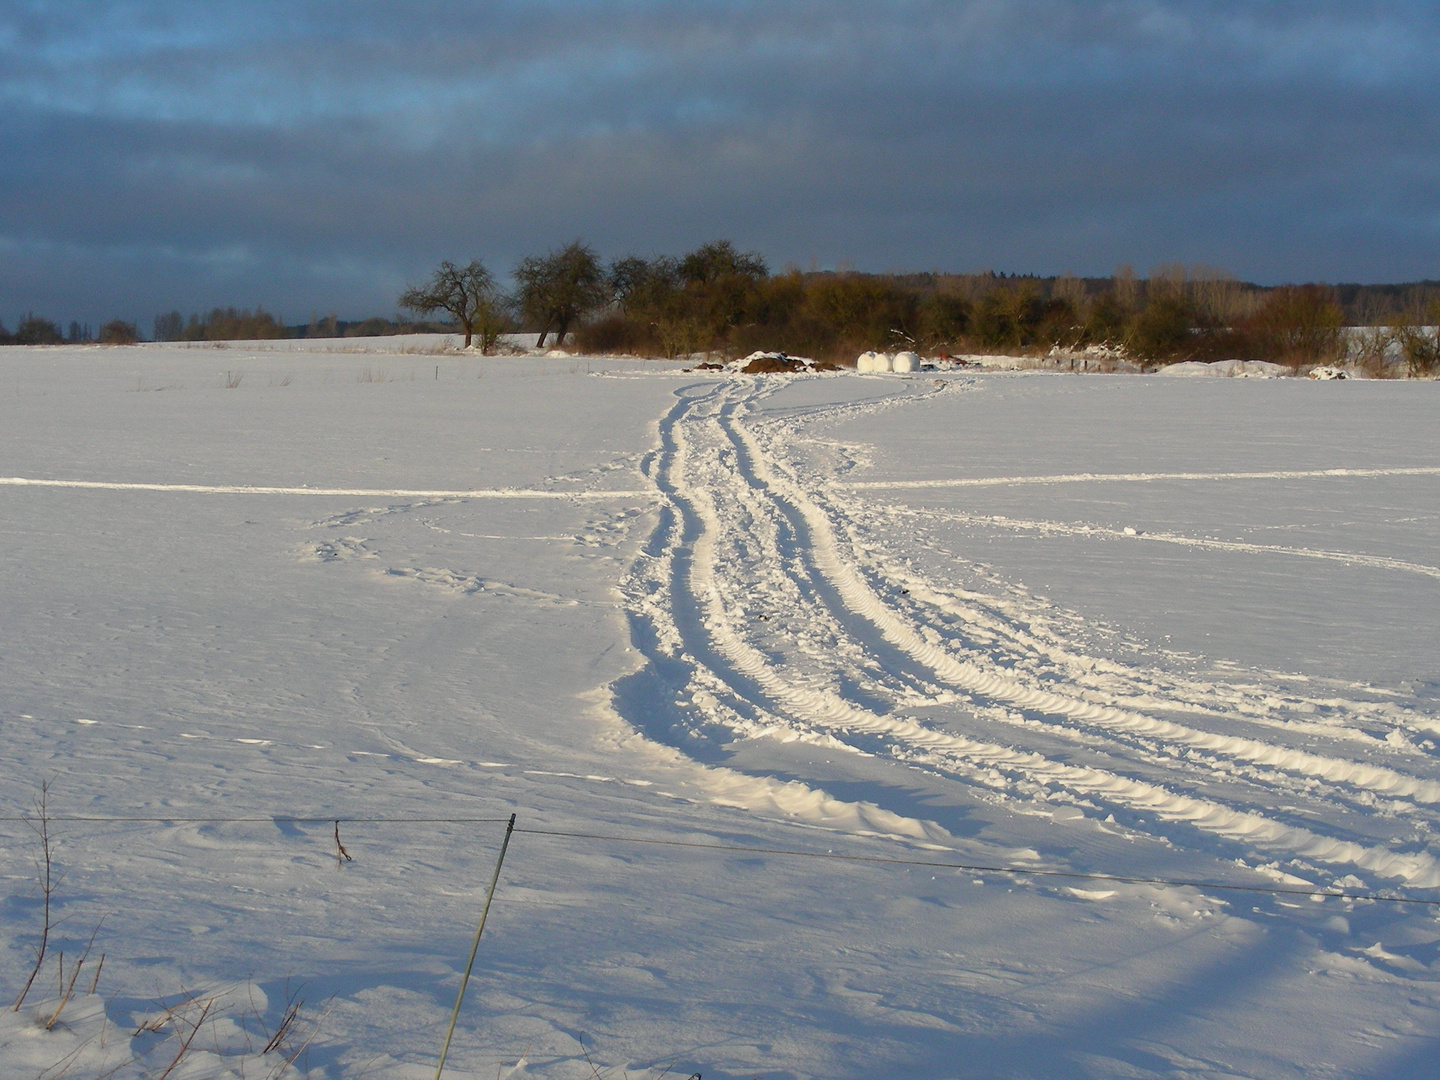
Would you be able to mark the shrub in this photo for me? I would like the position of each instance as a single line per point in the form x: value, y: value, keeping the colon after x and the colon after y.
x: 869, y: 312
x: 1164, y: 328
x: 1296, y: 325
x: 614, y: 333
x: 1371, y: 348
x: 944, y: 319
x: 1419, y: 343
x: 1008, y: 317
x: 372, y: 327
x: 1104, y: 323
x: 119, y: 332
x: 36, y: 331
x: 1059, y: 324
x: 1421, y: 348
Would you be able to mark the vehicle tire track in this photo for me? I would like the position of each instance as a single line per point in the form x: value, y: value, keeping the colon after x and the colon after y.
x: 695, y: 625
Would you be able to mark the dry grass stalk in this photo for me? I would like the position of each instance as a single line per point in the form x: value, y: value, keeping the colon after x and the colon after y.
x: 45, y: 867
x: 66, y: 991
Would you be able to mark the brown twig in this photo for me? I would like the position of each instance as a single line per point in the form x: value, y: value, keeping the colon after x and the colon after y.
x: 67, y: 991
x: 45, y: 866
x: 289, y: 1061
x: 185, y: 1045
x: 292, y: 1014
x: 341, y: 855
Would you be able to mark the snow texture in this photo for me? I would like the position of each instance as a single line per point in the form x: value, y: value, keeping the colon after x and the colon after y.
x: 1145, y: 629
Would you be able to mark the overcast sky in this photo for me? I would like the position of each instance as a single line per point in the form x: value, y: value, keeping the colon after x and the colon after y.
x: 316, y: 156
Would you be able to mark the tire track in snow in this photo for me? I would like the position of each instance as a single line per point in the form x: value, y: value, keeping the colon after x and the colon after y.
x: 1149, y: 688
x: 675, y: 620
x: 1142, y: 688
x: 995, y: 622
x: 694, y: 585
x: 966, y: 675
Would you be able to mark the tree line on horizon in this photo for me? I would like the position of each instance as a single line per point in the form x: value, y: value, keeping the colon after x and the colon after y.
x: 719, y: 299
x: 220, y: 324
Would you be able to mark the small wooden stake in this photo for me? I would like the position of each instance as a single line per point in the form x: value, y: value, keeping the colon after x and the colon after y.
x: 475, y: 947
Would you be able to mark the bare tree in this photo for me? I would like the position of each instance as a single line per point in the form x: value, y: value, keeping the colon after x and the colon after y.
x: 559, y: 289
x: 466, y: 292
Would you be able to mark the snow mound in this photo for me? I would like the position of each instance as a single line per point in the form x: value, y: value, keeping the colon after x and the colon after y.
x: 78, y: 1039
x: 1225, y: 369
x: 1326, y: 373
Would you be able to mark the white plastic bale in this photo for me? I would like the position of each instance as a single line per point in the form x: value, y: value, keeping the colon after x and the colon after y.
x: 906, y: 361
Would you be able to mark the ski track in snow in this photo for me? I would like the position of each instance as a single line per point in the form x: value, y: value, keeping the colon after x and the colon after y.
x: 764, y: 589
x: 372, y: 493
x: 1059, y: 528
x: 1133, y: 478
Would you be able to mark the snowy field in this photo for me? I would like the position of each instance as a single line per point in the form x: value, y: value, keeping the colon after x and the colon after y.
x: 1114, y: 625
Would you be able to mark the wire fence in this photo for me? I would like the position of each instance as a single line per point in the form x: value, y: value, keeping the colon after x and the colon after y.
x: 1017, y: 872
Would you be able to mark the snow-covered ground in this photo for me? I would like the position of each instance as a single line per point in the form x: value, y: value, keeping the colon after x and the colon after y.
x: 1113, y: 625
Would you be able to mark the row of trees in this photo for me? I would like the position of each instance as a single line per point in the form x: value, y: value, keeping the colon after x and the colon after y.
x: 555, y: 292
x: 34, y: 330
x: 673, y: 305
x: 718, y: 298
x: 221, y: 324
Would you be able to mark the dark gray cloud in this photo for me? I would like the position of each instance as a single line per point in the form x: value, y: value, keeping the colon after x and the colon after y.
x: 314, y: 156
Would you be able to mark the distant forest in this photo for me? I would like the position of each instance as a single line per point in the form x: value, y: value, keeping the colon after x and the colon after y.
x: 717, y: 299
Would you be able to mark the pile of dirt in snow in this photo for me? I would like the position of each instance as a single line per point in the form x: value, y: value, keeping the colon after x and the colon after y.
x: 770, y: 363
x: 766, y: 364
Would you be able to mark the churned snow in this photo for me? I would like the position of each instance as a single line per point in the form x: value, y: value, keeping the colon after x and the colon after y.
x: 1019, y: 624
